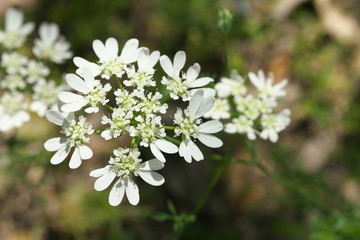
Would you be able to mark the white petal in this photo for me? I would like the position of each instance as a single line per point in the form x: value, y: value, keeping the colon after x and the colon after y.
x: 130, y: 51
x: 75, y: 160
x: 208, y: 92
x: 99, y: 172
x: 112, y: 47
x: 60, y: 155
x: 55, y: 117
x: 195, y: 151
x: 153, y: 164
x: 54, y: 144
x: 195, y: 102
x: 69, y: 97
x: 184, y: 151
x: 210, y: 140
x: 199, y: 105
x: 132, y: 191
x: 76, y: 83
x: 104, y: 181
x: 200, y: 82
x: 13, y: 19
x: 85, y: 152
x: 212, y: 126
x: 117, y: 193
x: 192, y: 73
x: 152, y: 178
x: 99, y: 49
x: 157, y: 153
x: 74, y: 106
x: 166, y: 146
x: 166, y: 65
x: 179, y: 62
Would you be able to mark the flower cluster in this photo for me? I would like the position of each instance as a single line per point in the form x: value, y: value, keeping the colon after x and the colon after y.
x: 251, y: 111
x: 135, y: 108
x: 27, y: 83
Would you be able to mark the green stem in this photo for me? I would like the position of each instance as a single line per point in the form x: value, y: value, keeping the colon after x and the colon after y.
x: 109, y: 107
x: 165, y: 98
x: 168, y: 127
x: 118, y: 81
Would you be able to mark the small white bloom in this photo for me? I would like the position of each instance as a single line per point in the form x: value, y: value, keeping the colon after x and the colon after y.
x: 109, y: 62
x: 77, y: 135
x: 13, y: 62
x: 221, y: 110
x: 250, y: 106
x: 51, y: 45
x: 190, y: 127
x: 241, y: 125
x: 150, y: 103
x: 15, y: 32
x: 273, y: 124
x: 35, y: 71
x: 143, y: 77
x: 234, y: 86
x: 125, y: 165
x: 119, y: 122
x: 151, y: 133
x: 125, y: 100
x: 12, y: 111
x: 13, y: 82
x: 265, y: 85
x: 94, y: 93
x: 45, y: 96
x: 179, y: 85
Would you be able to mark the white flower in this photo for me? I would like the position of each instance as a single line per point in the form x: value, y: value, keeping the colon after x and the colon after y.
x: 51, y: 45
x: 179, y: 85
x: 15, y: 31
x: 241, y: 125
x: 35, y: 71
x: 265, y: 87
x: 94, y: 93
x: 273, y: 124
x: 144, y: 75
x: 190, y: 127
x: 76, y: 132
x: 125, y: 100
x: 250, y: 106
x: 45, y: 96
x: 149, y: 103
x: 231, y: 86
x: 109, y: 62
x: 13, y: 62
x: 151, y: 133
x: 125, y: 165
x: 221, y: 110
x: 119, y: 122
x: 13, y: 82
x: 12, y: 110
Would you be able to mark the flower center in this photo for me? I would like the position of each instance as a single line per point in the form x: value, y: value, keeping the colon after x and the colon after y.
x: 78, y: 131
x: 46, y: 93
x: 13, y: 39
x: 12, y: 103
x: 186, y: 126
x: 178, y: 87
x: 114, y: 66
x: 125, y: 162
x: 141, y: 80
x: 98, y: 95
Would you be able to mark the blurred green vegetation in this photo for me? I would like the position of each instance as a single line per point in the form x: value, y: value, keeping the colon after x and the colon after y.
x: 315, y: 192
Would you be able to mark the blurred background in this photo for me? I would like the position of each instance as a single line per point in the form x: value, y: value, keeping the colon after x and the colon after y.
x: 314, y: 191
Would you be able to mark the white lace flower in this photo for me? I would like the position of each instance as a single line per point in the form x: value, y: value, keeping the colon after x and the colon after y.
x: 265, y: 85
x: 125, y: 165
x: 151, y: 133
x: 221, y: 110
x: 272, y: 124
x: 35, y: 71
x: 13, y: 82
x: 234, y: 86
x: 77, y: 135
x: 12, y: 111
x: 119, y: 122
x: 15, y: 32
x: 149, y: 103
x: 143, y: 77
x: 241, y: 125
x: 190, y: 127
x: 109, y: 62
x: 125, y: 100
x: 250, y: 106
x: 179, y: 85
x: 94, y: 93
x: 13, y: 62
x: 51, y: 45
x: 45, y: 96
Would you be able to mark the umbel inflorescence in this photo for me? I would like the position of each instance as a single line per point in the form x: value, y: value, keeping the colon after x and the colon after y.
x: 27, y: 82
x: 135, y: 107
